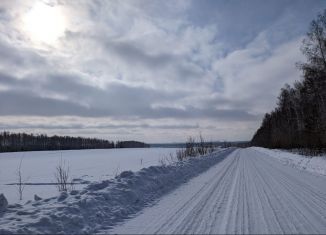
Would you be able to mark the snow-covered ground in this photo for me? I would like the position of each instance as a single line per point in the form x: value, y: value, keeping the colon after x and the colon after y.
x: 85, y: 166
x: 102, y: 204
x: 315, y: 165
x: 230, y: 191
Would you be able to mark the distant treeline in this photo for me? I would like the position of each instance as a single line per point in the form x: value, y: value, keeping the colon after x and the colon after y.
x: 131, y: 144
x: 299, y: 120
x: 14, y: 142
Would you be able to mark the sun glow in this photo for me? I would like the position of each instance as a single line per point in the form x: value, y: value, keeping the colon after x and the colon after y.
x: 44, y: 23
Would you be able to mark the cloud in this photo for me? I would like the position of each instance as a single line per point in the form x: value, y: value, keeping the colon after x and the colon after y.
x: 80, y: 126
x: 255, y: 74
x: 117, y: 101
x: 17, y: 103
x: 17, y: 58
x: 150, y: 69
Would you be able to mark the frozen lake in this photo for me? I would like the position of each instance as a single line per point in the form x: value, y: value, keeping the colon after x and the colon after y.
x: 38, y: 168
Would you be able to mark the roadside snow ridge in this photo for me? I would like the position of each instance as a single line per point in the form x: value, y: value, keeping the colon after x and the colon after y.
x: 101, y: 205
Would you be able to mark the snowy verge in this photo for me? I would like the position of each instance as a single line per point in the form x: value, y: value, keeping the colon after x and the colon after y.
x: 103, y: 204
x: 315, y: 165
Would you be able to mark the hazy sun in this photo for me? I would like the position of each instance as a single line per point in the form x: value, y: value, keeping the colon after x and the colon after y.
x: 44, y: 23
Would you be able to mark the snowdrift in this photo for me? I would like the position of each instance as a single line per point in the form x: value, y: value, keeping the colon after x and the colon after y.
x: 315, y: 165
x: 103, y: 204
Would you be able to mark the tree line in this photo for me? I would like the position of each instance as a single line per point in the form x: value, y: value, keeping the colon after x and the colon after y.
x: 299, y: 120
x: 14, y: 142
x: 131, y: 144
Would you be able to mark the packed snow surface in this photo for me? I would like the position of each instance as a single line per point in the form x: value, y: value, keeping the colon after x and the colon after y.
x: 315, y: 165
x: 103, y: 204
x: 85, y: 166
x: 248, y: 192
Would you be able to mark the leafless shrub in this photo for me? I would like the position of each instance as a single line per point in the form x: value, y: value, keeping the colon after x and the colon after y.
x: 181, y: 154
x: 194, y: 149
x: 202, y: 147
x: 62, y: 176
x: 72, y: 185
x: 162, y: 162
x: 211, y: 147
x: 167, y: 160
x: 117, y: 171
x: 21, y: 183
x: 190, y: 147
x: 172, y: 158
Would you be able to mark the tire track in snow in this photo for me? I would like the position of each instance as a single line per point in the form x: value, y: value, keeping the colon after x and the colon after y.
x: 295, y: 216
x: 199, y: 205
x: 307, y: 209
x: 209, y: 203
x: 245, y: 193
x: 273, y: 219
x: 174, y: 216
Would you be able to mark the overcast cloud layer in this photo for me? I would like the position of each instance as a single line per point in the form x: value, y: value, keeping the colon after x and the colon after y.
x: 155, y: 71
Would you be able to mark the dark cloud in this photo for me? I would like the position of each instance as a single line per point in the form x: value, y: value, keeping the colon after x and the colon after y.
x: 79, y: 126
x: 134, y: 55
x: 6, y: 79
x: 131, y: 53
x: 19, y: 57
x: 18, y: 103
x: 115, y: 100
x: 192, y: 112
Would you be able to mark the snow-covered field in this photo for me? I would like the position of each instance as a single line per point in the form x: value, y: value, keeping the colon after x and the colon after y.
x: 315, y: 165
x: 38, y: 168
x: 102, y: 204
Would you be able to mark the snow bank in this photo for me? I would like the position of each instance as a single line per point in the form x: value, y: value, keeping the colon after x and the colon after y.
x: 101, y: 205
x: 315, y: 165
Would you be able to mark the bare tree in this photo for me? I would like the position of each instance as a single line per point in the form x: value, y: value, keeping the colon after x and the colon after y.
x: 298, y: 121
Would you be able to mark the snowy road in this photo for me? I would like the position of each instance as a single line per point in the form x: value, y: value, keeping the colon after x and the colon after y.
x: 248, y: 192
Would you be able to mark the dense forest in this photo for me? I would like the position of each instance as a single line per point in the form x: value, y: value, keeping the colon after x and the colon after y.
x: 131, y: 144
x: 299, y: 120
x: 10, y: 142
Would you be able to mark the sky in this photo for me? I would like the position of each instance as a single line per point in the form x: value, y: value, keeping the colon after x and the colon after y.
x: 153, y: 71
